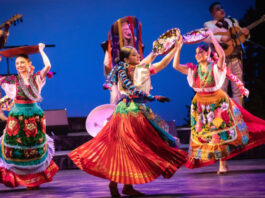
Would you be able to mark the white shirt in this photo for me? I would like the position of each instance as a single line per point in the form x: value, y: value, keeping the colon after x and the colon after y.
x: 210, y: 25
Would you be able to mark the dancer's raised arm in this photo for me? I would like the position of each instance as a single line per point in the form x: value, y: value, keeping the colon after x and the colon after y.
x: 149, y: 59
x: 46, y: 61
x: 218, y: 49
x: 165, y: 61
x: 181, y: 68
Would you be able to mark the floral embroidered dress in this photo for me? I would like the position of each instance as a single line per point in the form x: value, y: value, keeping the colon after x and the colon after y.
x: 131, y: 148
x: 220, y: 129
x: 26, y: 150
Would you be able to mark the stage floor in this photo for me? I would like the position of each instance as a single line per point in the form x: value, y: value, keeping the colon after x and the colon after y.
x: 246, y: 179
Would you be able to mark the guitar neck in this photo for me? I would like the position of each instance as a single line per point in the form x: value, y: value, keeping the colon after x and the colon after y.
x: 254, y: 24
x: 13, y: 20
x: 2, y: 25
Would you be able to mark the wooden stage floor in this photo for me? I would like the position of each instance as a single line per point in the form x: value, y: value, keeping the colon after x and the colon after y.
x: 246, y: 179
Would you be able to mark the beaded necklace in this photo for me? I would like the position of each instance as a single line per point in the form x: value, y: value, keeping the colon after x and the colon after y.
x: 35, y: 91
x: 205, y: 77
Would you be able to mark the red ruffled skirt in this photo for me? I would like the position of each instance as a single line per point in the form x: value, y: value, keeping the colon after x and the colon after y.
x: 128, y: 150
x: 256, y: 128
x: 12, y: 179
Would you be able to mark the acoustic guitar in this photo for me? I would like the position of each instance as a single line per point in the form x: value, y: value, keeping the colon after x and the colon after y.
x: 236, y: 36
x: 13, y: 21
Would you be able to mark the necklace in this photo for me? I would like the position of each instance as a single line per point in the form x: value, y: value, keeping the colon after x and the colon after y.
x: 205, y: 77
x: 35, y: 91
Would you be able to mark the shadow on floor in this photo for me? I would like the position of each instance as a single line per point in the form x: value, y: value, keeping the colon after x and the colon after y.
x: 233, y: 172
x: 162, y: 195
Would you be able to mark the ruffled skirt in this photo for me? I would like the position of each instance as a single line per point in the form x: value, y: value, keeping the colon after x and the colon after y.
x: 26, y: 149
x: 129, y: 149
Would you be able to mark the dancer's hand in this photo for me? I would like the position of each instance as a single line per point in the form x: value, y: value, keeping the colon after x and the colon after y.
x: 41, y: 46
x: 209, y: 33
x: 162, y: 99
x: 179, y: 42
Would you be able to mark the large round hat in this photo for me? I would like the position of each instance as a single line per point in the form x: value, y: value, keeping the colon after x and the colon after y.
x: 98, y: 117
x: 12, y: 52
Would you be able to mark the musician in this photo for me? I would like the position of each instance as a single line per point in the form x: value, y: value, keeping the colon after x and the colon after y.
x: 3, y: 38
x: 221, y: 23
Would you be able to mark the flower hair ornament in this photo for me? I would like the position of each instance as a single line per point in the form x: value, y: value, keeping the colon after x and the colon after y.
x: 214, y: 56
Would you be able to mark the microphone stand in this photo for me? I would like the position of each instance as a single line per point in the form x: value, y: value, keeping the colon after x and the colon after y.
x: 54, y: 73
x: 13, y: 46
x: 254, y: 43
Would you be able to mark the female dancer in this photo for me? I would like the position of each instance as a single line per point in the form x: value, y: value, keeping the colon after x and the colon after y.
x: 26, y: 150
x: 220, y: 128
x: 131, y: 148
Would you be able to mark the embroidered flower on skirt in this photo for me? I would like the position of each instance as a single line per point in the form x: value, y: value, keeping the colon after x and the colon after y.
x: 30, y: 127
x: 43, y: 124
x: 31, y: 153
x: 12, y: 126
x: 8, y: 152
x: 210, y: 121
x: 225, y: 117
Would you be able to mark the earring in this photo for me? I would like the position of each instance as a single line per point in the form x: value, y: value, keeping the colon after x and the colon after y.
x: 126, y: 65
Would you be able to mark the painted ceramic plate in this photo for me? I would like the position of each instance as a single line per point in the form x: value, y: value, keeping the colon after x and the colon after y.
x: 166, y: 41
x: 195, y: 36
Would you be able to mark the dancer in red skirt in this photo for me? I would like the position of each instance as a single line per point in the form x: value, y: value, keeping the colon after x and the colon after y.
x: 131, y: 148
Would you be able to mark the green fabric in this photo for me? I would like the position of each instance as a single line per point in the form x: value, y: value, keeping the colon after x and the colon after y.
x: 130, y: 106
x: 25, y: 144
x: 122, y: 107
x: 28, y: 163
x: 21, y: 112
x: 163, y: 134
x: 27, y: 110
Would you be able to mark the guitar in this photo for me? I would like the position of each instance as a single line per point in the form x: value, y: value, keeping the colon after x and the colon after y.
x: 13, y: 20
x: 230, y: 45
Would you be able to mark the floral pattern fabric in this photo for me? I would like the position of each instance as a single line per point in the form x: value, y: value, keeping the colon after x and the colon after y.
x: 26, y: 150
x: 25, y: 136
x: 212, y: 123
x: 217, y: 125
x: 217, y: 128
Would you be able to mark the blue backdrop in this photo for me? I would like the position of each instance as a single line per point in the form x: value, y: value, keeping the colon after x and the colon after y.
x: 77, y: 27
